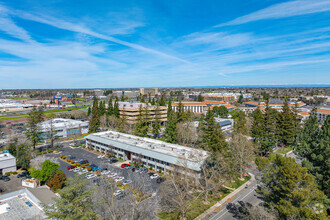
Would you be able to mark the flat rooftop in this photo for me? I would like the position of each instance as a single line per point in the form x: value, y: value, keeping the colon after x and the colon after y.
x: 61, y: 122
x: 6, y: 156
x: 175, y: 150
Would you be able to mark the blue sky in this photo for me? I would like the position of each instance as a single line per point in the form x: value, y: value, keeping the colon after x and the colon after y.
x: 172, y: 43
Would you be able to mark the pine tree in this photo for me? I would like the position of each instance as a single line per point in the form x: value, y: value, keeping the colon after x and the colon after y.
x: 95, y: 120
x: 169, y: 108
x: 162, y: 101
x: 180, y: 114
x: 101, y: 108
x: 200, y: 98
x: 213, y: 138
x: 170, y: 131
x: 116, y: 109
x: 141, y: 127
x: 153, y: 101
x: 240, y: 99
x: 89, y: 111
x: 110, y: 107
x: 156, y: 123
x: 240, y: 123
x: 257, y: 129
x: 34, y: 118
x: 270, y: 120
x: 286, y: 125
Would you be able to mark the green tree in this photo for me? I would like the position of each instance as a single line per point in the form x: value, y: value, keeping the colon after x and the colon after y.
x: 169, y: 108
x: 290, y: 189
x: 141, y: 127
x: 34, y: 118
x: 270, y: 120
x: 48, y: 170
x: 162, y: 101
x: 110, y: 107
x: 200, y: 98
x: 95, y: 120
x: 240, y: 123
x: 89, y: 111
x: 221, y: 111
x: 257, y: 129
x: 180, y: 113
x: 101, y: 108
x: 23, y: 156
x: 170, y: 130
x: 240, y: 99
x: 75, y: 201
x: 153, y: 101
x: 286, y: 125
x: 116, y: 109
x: 213, y: 138
x: 156, y: 123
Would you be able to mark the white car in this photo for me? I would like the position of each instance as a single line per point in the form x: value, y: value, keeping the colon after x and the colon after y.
x: 101, y: 156
x: 118, y: 179
x: 76, y: 169
x: 154, y: 176
x: 91, y: 176
x: 105, y: 172
x: 112, y: 175
x: 117, y: 192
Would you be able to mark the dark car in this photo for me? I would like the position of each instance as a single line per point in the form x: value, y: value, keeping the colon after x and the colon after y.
x: 24, y: 174
x: 113, y: 160
x: 5, y: 178
x: 160, y: 180
x: 83, y: 162
x: 72, y: 157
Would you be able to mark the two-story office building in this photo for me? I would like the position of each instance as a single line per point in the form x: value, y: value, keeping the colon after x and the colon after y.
x: 153, y: 153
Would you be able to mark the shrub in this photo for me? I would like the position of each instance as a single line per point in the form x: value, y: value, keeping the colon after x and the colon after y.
x: 78, y: 164
x: 83, y: 166
x: 98, y: 173
x: 159, y: 171
x: 150, y: 168
x: 8, y: 173
x: 57, y: 181
x: 89, y: 168
x: 126, y: 186
x: 87, y: 164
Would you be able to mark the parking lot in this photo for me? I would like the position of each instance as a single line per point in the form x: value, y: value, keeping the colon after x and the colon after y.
x: 150, y: 185
x: 12, y: 185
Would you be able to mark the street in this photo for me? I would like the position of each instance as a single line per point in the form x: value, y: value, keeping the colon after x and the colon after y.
x: 247, y: 195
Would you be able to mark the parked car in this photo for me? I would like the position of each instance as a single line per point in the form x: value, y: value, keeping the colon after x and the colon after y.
x: 5, y: 178
x: 25, y: 173
x: 154, y: 176
x: 124, y: 165
x: 127, y: 182
x: 71, y: 157
x: 101, y: 156
x: 83, y: 162
x: 113, y: 160
x: 117, y: 192
x: 71, y: 167
x: 160, y: 180
x: 96, y: 168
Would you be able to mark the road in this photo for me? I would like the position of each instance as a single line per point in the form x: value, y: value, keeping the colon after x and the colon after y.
x: 247, y: 195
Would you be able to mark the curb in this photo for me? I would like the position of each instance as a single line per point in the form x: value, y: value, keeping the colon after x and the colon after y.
x: 224, y: 200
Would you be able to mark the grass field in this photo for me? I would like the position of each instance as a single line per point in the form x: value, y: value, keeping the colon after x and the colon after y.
x: 20, y: 116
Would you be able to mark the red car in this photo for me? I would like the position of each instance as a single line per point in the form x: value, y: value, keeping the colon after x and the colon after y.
x: 71, y: 167
x: 124, y: 165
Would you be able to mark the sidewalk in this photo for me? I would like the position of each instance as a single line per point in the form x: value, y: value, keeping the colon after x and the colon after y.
x: 224, y: 201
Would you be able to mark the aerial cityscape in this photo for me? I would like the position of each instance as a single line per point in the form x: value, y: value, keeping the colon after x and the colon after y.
x: 169, y: 110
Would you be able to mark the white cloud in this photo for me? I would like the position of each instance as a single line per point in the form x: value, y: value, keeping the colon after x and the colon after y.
x: 282, y: 10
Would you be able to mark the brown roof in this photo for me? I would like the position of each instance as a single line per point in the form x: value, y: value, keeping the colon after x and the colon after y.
x: 214, y: 102
x: 189, y: 103
x: 323, y: 110
x: 229, y: 106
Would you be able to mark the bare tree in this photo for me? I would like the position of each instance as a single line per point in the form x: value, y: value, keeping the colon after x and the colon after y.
x: 113, y: 122
x: 51, y: 131
x: 178, y: 192
x: 186, y: 133
x: 243, y: 150
x: 37, y: 161
x: 104, y: 121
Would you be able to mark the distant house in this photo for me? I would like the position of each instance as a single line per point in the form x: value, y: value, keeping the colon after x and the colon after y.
x: 7, y: 162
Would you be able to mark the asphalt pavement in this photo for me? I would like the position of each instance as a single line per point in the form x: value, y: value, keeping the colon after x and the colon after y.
x: 247, y: 195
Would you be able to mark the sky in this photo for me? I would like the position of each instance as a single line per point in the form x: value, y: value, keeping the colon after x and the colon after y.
x: 163, y: 43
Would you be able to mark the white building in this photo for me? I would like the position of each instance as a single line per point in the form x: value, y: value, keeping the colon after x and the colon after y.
x: 153, y: 153
x: 63, y: 127
x: 195, y: 107
x: 322, y: 114
x: 7, y: 162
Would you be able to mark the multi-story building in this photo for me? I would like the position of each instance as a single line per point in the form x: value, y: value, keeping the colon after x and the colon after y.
x: 322, y: 114
x: 195, y: 107
x: 277, y: 106
x: 149, y: 92
x: 152, y: 153
x: 130, y: 110
x: 62, y: 127
x: 7, y: 162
